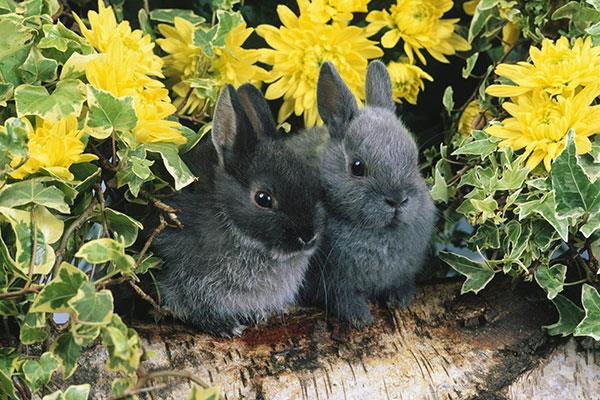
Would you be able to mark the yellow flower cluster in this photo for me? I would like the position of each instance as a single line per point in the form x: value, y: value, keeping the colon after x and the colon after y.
x: 229, y: 65
x: 127, y: 66
x: 552, y: 94
x: 420, y: 25
x: 322, y: 11
x: 298, y: 49
x: 407, y: 81
x: 54, y: 146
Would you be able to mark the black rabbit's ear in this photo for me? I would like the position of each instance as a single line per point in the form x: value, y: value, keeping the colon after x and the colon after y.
x: 232, y: 135
x: 378, y: 90
x: 336, y: 103
x: 258, y: 111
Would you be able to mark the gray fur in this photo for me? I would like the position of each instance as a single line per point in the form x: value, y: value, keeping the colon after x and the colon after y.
x: 233, y: 262
x: 370, y: 250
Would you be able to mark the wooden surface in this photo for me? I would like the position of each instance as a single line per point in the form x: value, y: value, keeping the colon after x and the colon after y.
x: 443, y: 346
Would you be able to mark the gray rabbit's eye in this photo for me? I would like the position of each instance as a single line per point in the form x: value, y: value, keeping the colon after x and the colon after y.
x: 357, y: 167
x: 263, y: 199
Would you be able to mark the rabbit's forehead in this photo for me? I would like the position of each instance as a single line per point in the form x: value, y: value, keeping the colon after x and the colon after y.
x: 281, y: 171
x: 380, y: 139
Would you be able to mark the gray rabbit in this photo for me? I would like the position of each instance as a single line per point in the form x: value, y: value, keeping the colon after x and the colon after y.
x: 380, y: 216
x: 251, y: 222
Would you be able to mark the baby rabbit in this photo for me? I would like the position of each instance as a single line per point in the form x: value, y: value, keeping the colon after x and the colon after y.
x: 251, y: 222
x: 380, y: 216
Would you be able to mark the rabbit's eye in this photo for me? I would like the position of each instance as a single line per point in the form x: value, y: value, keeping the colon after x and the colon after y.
x: 263, y: 199
x: 358, y: 168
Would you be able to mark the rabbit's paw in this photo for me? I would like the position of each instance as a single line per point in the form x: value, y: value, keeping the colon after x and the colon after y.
x: 400, y: 297
x: 356, y: 312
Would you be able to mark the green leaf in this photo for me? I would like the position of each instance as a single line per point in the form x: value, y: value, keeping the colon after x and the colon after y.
x: 15, y: 42
x: 551, y: 279
x: 590, y: 167
x: 66, y: 99
x: 55, y: 296
x: 173, y: 163
x: 486, y: 237
x: 126, y: 226
x: 545, y: 207
x: 49, y: 229
x: 478, y: 274
x: 75, y: 392
x: 569, y: 315
x: 448, y: 100
x: 33, y: 191
x: 482, y: 148
x: 6, y: 385
x: 168, y: 15
x: 60, y: 43
x: 109, y: 113
x: 486, y: 9
x: 33, y: 329
x: 439, y: 190
x: 124, y: 346
x: 38, y: 68
x: 575, y: 194
x: 38, y: 372
x: 199, y: 393
x: 590, y: 325
x: 471, y: 61
x: 66, y: 349
x: 91, y: 307
x: 103, y: 250
x: 591, y: 226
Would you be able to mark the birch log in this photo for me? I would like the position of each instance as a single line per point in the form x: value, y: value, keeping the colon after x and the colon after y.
x: 443, y: 346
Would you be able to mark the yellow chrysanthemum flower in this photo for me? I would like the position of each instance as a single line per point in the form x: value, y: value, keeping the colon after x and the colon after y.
x: 556, y: 68
x: 54, y: 146
x: 407, y: 81
x: 540, y: 122
x: 151, y: 107
x: 105, y: 31
x: 229, y: 65
x: 182, y: 56
x: 111, y: 71
x: 473, y: 117
x: 420, y: 25
x: 323, y: 11
x: 235, y: 65
x: 299, y: 48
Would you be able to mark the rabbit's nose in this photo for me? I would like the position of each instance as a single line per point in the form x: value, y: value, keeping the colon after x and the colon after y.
x: 307, y: 242
x: 396, y: 203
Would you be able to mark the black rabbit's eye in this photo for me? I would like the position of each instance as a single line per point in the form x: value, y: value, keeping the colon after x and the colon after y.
x: 358, y: 168
x: 263, y: 199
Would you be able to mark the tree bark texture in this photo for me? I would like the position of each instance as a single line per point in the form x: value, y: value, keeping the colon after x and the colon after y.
x: 443, y: 346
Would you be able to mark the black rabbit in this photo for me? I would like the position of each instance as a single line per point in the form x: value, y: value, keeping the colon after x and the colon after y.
x: 251, y: 222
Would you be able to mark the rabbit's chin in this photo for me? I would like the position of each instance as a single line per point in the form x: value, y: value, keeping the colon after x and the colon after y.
x: 281, y: 255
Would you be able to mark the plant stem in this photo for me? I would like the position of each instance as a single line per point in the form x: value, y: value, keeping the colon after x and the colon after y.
x: 67, y: 234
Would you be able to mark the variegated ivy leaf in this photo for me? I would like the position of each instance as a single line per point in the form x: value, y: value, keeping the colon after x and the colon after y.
x: 109, y: 113
x: 75, y: 392
x: 105, y: 249
x: 66, y: 99
x: 569, y: 316
x: 67, y: 351
x: 123, y: 344
x: 551, y: 279
x: 38, y: 372
x: 91, y: 307
x: 546, y: 208
x: 478, y: 274
x: 590, y: 324
x: 173, y: 163
x: 55, y: 295
x: 32, y: 191
x: 575, y: 193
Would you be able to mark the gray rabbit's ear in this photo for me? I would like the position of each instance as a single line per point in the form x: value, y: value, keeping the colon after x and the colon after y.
x: 378, y: 87
x: 336, y: 103
x: 258, y: 111
x: 232, y: 135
